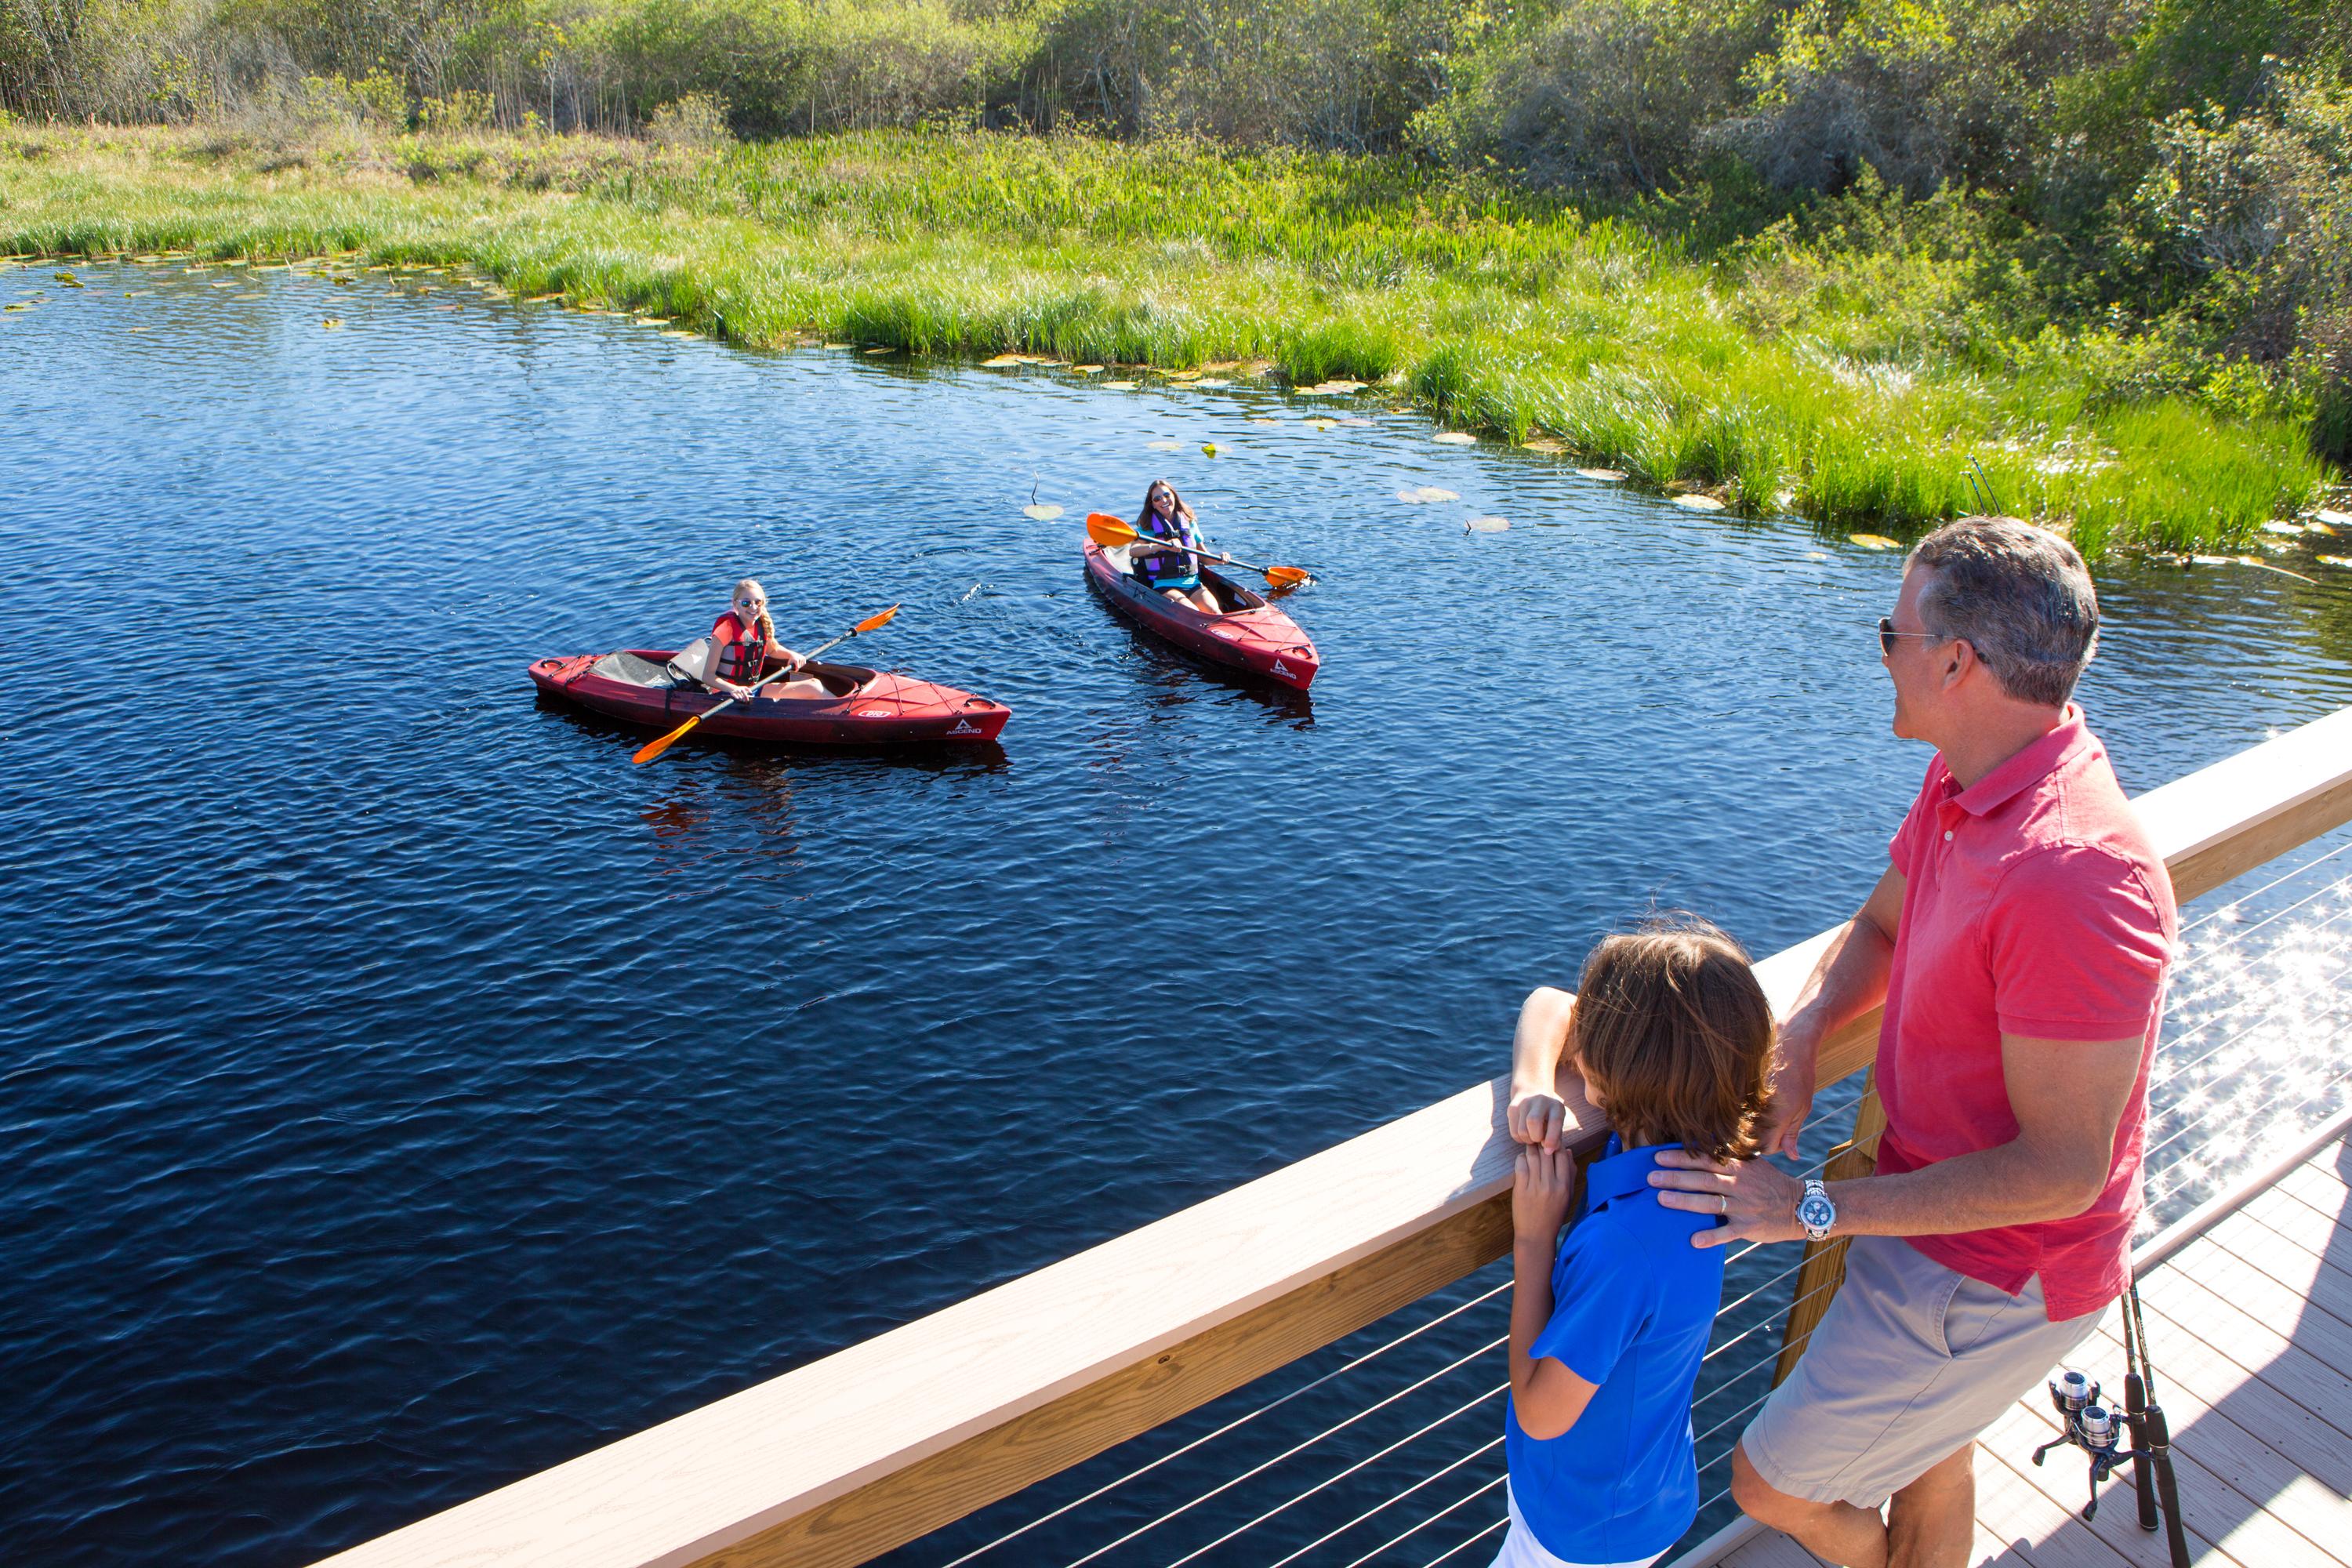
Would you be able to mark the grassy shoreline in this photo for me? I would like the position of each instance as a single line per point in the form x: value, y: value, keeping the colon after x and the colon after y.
x: 1856, y: 397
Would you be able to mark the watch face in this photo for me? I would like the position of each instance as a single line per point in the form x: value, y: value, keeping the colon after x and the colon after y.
x: 1815, y: 1213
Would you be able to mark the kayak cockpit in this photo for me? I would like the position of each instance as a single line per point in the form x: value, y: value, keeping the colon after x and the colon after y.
x: 656, y: 671
x: 1231, y: 596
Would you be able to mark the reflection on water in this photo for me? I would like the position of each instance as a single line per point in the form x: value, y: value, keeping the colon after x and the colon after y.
x: 383, y: 1074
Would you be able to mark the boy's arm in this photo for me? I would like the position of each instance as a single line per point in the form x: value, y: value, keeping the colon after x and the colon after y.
x: 1546, y: 1397
x: 1537, y: 1114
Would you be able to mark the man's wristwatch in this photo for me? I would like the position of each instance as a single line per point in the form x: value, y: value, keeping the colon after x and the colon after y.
x: 1815, y: 1212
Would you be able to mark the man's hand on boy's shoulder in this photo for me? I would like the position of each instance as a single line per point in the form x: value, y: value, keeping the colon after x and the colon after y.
x: 1757, y: 1200
x: 1543, y: 1188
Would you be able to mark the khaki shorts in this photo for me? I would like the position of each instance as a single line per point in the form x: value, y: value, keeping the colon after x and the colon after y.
x: 1909, y: 1363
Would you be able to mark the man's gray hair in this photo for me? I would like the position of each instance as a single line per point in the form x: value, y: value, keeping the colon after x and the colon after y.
x: 2020, y: 595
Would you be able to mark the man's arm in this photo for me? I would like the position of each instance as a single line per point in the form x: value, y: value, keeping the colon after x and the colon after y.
x: 1849, y: 981
x: 2069, y: 1098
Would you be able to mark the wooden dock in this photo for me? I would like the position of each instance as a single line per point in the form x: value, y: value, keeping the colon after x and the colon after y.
x: 2250, y: 1331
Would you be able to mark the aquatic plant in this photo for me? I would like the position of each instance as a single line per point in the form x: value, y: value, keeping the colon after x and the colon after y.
x: 1502, y: 310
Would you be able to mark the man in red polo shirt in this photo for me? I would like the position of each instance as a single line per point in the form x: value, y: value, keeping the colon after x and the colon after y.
x: 2020, y: 940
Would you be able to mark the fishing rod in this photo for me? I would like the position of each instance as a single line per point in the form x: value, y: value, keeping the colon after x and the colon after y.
x: 2098, y: 1431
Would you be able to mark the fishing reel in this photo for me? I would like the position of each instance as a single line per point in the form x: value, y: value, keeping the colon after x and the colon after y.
x: 2089, y: 1426
x: 2100, y: 1430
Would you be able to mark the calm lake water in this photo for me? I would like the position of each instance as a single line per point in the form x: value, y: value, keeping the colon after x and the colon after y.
x: 405, y: 1093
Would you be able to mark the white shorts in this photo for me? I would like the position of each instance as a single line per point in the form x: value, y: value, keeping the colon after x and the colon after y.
x: 1522, y: 1550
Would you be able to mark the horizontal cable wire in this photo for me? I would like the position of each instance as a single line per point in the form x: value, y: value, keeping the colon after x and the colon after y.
x: 1465, y: 1545
x: 2214, y: 914
x: 2320, y: 923
x: 1463, y: 1501
x: 2192, y: 960
x: 2232, y: 1103
x: 2314, y: 1094
x: 1337, y: 1475
x: 1287, y: 1453
x: 1486, y: 1447
x: 1335, y: 1373
x: 2309, y: 993
x: 1765, y: 1322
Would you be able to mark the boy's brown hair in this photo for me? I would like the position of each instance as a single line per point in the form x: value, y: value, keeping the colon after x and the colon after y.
x: 1671, y: 1026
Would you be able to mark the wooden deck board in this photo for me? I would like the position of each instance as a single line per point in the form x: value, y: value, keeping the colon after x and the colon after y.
x: 2249, y: 1327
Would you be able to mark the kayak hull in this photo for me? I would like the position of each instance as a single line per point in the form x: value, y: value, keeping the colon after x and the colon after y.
x: 866, y: 707
x: 1257, y: 638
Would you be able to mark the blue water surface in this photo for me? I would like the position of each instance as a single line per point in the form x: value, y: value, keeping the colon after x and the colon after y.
x: 404, y: 1092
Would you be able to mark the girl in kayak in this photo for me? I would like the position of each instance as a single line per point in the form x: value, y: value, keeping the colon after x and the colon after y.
x: 742, y: 641
x: 1173, y: 573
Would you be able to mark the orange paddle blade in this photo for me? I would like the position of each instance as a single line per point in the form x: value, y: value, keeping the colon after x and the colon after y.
x: 877, y: 621
x: 652, y: 749
x: 1286, y: 576
x: 1107, y: 531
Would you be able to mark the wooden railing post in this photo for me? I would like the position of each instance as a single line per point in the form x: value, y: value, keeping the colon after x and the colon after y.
x: 1823, y: 1270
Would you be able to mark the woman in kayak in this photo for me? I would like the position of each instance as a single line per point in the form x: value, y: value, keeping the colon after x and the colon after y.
x: 742, y: 642
x: 1173, y: 572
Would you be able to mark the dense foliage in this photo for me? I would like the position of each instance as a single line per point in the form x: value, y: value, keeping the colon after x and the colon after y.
x: 2157, y: 193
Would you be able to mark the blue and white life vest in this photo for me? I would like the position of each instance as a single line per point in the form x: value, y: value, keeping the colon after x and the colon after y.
x: 1154, y: 566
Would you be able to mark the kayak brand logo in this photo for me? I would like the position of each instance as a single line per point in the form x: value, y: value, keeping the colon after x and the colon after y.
x: 1279, y: 668
x: 964, y: 727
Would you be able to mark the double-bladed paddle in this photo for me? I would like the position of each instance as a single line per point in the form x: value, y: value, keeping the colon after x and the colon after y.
x: 1111, y: 532
x: 652, y: 749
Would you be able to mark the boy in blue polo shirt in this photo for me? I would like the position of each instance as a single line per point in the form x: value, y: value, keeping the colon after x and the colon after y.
x: 1673, y: 1038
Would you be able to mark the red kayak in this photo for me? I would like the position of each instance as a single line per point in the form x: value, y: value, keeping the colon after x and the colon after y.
x: 1252, y: 636
x: 861, y: 707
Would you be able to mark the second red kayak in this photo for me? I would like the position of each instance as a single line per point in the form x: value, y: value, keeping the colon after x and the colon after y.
x: 1253, y: 636
x: 861, y: 707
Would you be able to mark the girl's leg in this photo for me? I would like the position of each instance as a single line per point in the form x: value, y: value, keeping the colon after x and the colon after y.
x: 799, y: 688
x: 1206, y: 602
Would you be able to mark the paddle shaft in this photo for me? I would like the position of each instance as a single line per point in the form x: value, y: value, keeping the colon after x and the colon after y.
x: 806, y: 659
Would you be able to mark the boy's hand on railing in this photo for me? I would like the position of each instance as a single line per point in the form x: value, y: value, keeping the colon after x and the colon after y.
x: 1537, y: 1116
x: 1543, y: 1188
x: 1757, y: 1200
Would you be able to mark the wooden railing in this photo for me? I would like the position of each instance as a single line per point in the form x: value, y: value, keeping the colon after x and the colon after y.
x: 880, y: 1443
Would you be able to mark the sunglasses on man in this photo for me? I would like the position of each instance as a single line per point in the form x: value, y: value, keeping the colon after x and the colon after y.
x: 1887, y: 634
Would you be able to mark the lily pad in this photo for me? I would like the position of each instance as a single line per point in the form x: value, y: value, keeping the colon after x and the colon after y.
x: 1339, y: 385
x: 1001, y: 362
x: 1265, y: 421
x: 1606, y: 475
x: 882, y: 350
x: 1455, y: 438
x: 1085, y: 369
x: 1873, y: 541
x: 1545, y: 445
x: 1426, y: 494
x: 840, y: 345
x: 1165, y: 446
x: 1359, y: 423
x: 1042, y: 511
x: 1697, y: 502
x: 2333, y: 518
x: 1487, y: 524
x: 1213, y: 381
x: 1117, y: 386
x: 674, y: 332
x: 1319, y: 425
x: 2285, y: 528
x: 2345, y: 561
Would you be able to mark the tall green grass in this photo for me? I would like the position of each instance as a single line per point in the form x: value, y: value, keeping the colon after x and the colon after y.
x: 1500, y: 310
